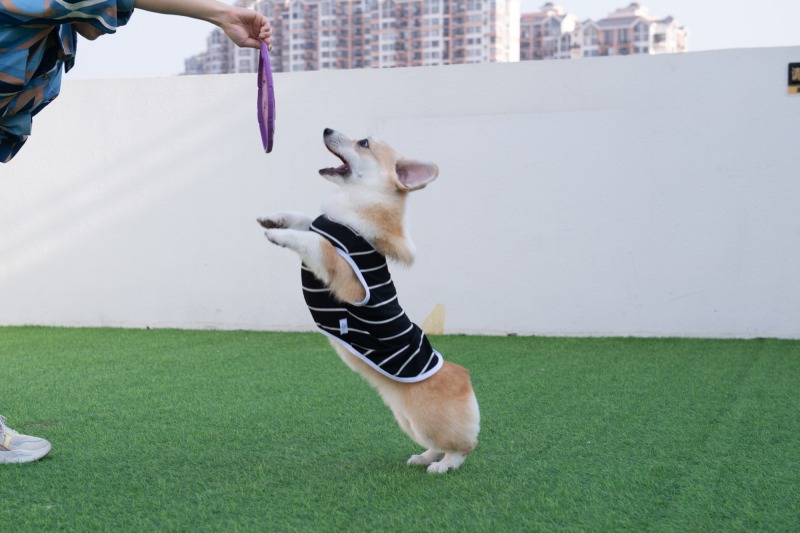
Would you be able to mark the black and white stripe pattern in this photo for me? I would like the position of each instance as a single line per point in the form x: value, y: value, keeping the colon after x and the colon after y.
x: 377, y: 329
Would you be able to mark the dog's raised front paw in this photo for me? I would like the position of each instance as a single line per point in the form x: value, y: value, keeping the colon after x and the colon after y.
x: 276, y: 236
x: 272, y: 221
x: 287, y: 220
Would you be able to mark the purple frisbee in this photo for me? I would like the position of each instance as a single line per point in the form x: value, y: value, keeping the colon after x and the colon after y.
x: 266, y: 100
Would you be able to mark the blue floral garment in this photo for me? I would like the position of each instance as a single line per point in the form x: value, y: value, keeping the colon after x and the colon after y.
x: 36, y: 39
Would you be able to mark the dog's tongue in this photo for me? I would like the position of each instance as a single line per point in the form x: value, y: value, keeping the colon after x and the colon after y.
x: 341, y: 170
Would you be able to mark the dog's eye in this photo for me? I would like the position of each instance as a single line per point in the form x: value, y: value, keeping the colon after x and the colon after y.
x: 363, y: 143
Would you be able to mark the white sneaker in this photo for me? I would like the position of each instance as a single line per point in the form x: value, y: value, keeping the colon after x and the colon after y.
x: 16, y: 448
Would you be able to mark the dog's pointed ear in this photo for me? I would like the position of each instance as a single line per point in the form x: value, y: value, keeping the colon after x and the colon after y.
x: 413, y: 175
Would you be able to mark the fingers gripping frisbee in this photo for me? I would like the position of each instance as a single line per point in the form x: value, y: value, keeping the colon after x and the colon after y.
x: 266, y: 100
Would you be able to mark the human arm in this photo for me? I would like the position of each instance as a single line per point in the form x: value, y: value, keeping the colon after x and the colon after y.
x: 245, y: 27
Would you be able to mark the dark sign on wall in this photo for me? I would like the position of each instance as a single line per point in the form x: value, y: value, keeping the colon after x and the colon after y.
x: 794, y: 78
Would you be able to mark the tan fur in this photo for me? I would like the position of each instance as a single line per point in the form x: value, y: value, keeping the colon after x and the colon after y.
x: 439, y: 413
x: 389, y: 239
x: 343, y: 281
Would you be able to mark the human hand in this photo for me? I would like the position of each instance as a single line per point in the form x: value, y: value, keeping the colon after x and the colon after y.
x: 246, y: 28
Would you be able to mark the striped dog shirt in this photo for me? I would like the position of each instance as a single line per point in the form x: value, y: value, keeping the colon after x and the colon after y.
x: 376, y: 330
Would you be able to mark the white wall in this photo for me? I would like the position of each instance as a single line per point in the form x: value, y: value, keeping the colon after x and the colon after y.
x: 622, y: 196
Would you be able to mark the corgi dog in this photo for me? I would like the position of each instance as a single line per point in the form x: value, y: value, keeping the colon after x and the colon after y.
x: 348, y: 289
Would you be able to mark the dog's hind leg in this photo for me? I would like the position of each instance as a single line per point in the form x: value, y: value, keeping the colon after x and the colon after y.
x: 444, y: 417
x: 431, y: 455
x: 450, y: 461
x: 425, y: 458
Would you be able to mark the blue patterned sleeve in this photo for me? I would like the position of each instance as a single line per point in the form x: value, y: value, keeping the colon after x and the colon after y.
x: 105, y: 15
x: 30, y: 60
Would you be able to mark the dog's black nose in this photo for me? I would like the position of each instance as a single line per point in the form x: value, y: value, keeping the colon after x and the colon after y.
x: 327, y: 132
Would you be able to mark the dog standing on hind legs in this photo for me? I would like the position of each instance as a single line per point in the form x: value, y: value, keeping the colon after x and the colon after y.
x: 348, y: 289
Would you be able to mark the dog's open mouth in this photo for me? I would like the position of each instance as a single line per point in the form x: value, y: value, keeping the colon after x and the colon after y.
x: 342, y: 170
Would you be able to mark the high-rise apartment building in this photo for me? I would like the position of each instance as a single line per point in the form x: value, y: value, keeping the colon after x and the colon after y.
x: 343, y: 34
x: 552, y: 34
x: 217, y: 59
x: 547, y: 34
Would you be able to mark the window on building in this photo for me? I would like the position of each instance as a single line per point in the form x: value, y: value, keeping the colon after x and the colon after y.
x: 642, y: 32
x: 590, y: 37
x: 433, y: 6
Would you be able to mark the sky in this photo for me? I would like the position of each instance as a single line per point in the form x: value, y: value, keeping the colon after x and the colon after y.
x: 152, y: 45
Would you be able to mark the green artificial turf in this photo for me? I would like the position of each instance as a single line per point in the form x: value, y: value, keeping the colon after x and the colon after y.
x: 248, y: 431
